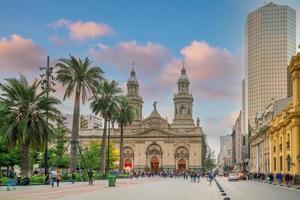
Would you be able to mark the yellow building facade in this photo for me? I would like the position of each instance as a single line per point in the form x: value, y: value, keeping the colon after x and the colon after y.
x: 284, y: 130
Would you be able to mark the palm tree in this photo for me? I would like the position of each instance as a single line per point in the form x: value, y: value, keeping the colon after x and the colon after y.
x: 124, y: 117
x: 25, y: 112
x: 106, y: 104
x: 80, y: 77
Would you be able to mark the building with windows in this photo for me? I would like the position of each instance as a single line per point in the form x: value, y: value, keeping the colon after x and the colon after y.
x: 86, y: 121
x: 225, y: 155
x: 284, y: 130
x: 270, y: 44
x: 237, y: 143
x: 153, y: 143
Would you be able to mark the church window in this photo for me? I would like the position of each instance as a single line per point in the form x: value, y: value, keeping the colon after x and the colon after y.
x: 183, y: 110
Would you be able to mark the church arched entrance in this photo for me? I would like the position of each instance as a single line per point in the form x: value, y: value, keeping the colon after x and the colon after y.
x: 181, y: 165
x: 128, y: 164
x: 181, y: 159
x: 154, y: 157
x: 154, y: 164
x: 128, y: 158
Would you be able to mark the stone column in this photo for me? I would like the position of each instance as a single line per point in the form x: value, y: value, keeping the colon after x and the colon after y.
x: 296, y: 89
x: 295, y: 149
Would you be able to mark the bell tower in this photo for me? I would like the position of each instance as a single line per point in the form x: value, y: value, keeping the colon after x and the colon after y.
x: 133, y: 95
x: 183, y: 103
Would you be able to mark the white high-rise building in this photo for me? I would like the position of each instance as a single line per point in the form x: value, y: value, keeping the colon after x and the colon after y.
x: 270, y: 43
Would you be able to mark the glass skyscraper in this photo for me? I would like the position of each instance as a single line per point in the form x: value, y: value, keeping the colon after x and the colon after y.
x: 270, y: 43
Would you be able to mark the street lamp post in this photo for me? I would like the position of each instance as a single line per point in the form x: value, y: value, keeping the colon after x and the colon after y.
x: 47, y: 83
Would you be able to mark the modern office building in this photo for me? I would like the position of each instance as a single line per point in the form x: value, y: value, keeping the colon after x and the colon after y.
x: 270, y: 44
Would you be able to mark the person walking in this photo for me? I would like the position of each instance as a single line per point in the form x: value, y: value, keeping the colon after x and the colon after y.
x: 53, y: 176
x: 11, y: 180
x: 210, y: 178
x: 73, y: 177
x: 58, y: 177
x: 90, y: 175
x: 198, y: 176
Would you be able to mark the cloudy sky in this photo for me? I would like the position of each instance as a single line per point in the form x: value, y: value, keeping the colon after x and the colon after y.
x: 156, y: 35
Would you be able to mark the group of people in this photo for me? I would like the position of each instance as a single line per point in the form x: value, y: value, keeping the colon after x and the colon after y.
x: 55, y: 176
x: 271, y: 178
x: 193, y: 176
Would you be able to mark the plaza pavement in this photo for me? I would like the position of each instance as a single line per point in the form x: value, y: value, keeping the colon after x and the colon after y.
x: 126, y: 189
x: 154, y: 189
x: 252, y: 190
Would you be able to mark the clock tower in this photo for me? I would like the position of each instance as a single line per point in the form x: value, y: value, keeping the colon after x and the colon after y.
x: 183, y: 103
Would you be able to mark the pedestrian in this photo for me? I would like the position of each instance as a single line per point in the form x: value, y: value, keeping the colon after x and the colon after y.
x: 210, y: 178
x: 58, y: 177
x: 198, y: 177
x: 195, y: 176
x: 287, y: 179
x: 73, y: 177
x: 90, y: 175
x: 11, y: 180
x: 53, y: 175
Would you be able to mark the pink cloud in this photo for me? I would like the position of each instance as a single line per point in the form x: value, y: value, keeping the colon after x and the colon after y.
x: 83, y: 31
x: 148, y: 57
x: 18, y: 54
x: 214, y: 73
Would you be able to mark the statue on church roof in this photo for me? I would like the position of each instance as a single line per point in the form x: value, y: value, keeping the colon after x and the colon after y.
x: 198, y: 122
x: 154, y: 105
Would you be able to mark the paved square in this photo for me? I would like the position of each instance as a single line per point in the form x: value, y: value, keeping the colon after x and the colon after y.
x: 126, y: 189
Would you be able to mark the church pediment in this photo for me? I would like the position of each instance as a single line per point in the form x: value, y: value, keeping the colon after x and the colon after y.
x: 154, y: 121
x: 155, y: 132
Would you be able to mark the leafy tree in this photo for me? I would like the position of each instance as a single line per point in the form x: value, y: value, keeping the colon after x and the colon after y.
x: 210, y: 160
x: 80, y: 77
x: 58, y: 157
x: 9, y: 157
x: 124, y: 117
x: 227, y: 168
x: 25, y: 111
x: 105, y: 102
x: 91, y: 156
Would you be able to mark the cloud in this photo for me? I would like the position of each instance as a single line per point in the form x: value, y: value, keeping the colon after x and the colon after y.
x: 18, y: 54
x: 148, y: 57
x: 214, y: 73
x: 57, y: 41
x: 217, y: 126
x: 82, y: 31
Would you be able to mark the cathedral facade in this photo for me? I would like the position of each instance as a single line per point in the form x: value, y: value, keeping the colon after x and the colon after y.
x: 154, y: 144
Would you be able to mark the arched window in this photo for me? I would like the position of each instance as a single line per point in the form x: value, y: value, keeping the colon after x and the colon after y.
x: 183, y: 110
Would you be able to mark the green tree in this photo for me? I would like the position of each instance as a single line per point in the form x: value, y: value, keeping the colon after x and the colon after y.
x: 124, y: 117
x: 106, y: 104
x: 58, y: 157
x: 80, y: 77
x: 91, y: 156
x: 9, y: 157
x: 210, y: 160
x: 25, y: 112
x: 227, y: 168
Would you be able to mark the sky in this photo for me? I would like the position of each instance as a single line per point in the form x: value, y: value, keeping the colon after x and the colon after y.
x: 155, y: 35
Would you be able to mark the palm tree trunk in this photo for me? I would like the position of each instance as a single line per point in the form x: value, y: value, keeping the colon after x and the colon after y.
x: 75, y: 132
x: 103, y: 146
x: 25, y: 160
x: 121, y: 163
